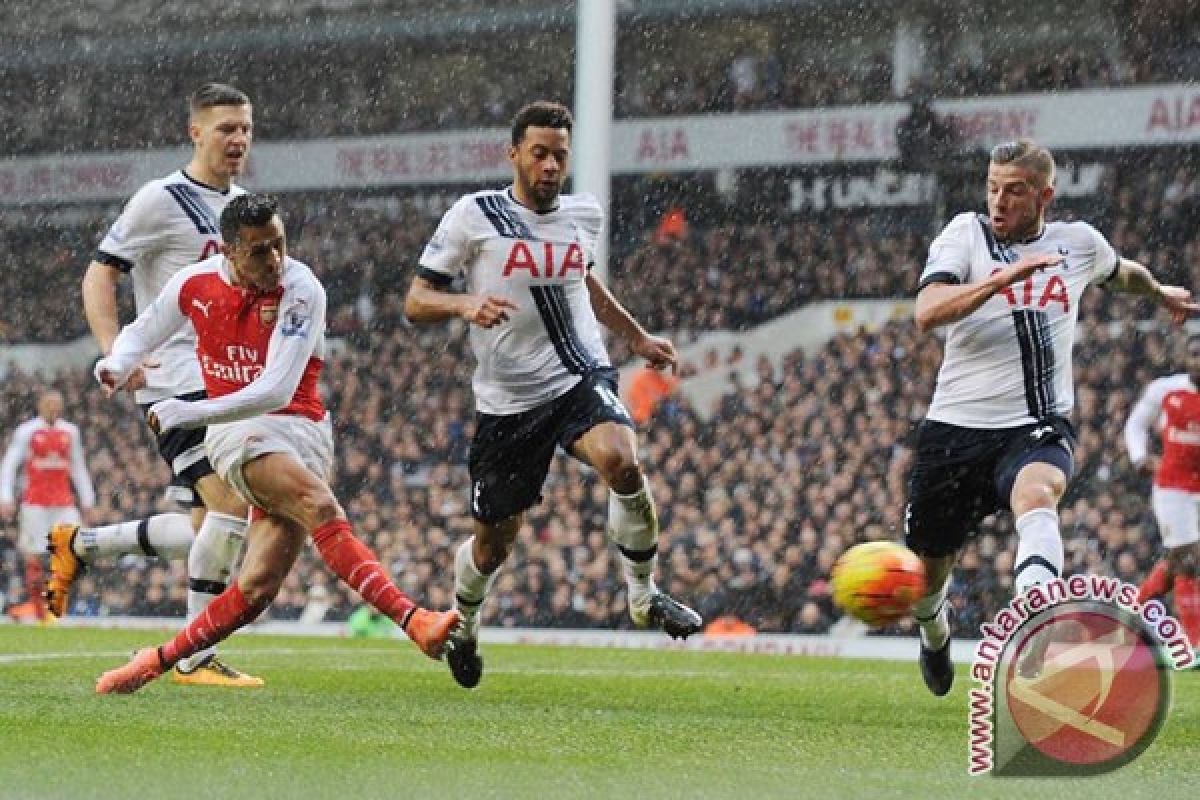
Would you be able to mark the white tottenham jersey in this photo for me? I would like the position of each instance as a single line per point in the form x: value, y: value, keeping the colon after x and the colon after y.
x: 1009, y: 362
x: 168, y: 224
x: 539, y: 261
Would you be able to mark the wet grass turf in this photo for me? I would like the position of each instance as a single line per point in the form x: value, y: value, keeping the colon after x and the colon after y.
x: 375, y: 719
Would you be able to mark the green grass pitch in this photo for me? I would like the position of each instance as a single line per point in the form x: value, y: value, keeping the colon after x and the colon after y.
x: 375, y: 719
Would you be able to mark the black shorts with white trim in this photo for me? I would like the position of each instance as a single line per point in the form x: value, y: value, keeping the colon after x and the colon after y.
x: 184, y: 452
x: 511, y: 454
x: 961, y: 475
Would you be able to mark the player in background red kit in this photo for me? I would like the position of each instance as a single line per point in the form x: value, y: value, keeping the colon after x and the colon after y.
x: 259, y: 318
x: 1172, y: 405
x: 51, y: 452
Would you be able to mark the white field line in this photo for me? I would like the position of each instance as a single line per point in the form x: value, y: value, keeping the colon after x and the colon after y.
x: 342, y: 654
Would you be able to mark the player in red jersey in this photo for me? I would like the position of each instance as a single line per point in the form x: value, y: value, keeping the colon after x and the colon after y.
x: 259, y: 318
x: 51, y: 451
x: 1172, y: 404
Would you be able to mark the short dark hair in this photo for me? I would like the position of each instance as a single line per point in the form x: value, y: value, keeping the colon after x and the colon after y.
x: 1028, y: 155
x: 541, y: 114
x: 211, y: 95
x: 251, y: 210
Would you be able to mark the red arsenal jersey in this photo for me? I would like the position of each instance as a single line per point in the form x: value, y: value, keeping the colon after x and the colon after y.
x: 234, y: 327
x: 53, y: 458
x: 1173, y: 404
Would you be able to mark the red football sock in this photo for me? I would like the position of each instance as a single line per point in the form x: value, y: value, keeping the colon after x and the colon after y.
x: 1156, y: 584
x: 1187, y: 604
x: 225, y: 614
x: 354, y: 563
x: 35, y: 585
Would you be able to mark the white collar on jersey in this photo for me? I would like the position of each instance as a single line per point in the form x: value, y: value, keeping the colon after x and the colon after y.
x: 512, y: 196
x: 201, y: 184
x: 1026, y: 240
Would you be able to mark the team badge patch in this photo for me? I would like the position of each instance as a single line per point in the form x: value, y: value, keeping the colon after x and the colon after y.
x: 268, y: 313
x: 296, y: 321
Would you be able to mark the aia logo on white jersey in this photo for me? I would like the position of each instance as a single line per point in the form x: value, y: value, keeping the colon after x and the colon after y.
x: 1026, y: 295
x: 551, y: 260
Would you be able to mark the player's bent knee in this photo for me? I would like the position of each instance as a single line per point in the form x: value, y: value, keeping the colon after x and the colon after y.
x: 620, y: 469
x: 318, y: 506
x: 1042, y: 491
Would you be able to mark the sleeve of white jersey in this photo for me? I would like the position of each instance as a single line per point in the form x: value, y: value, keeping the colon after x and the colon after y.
x: 593, y: 230
x: 1143, y: 417
x: 300, y: 326
x: 157, y: 323
x: 14, y: 457
x: 949, y: 258
x: 448, y: 249
x: 1104, y: 258
x: 136, y: 232
x: 79, y: 471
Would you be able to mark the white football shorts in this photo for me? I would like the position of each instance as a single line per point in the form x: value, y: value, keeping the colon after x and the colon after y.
x: 36, y: 522
x: 234, y: 444
x: 1178, y: 514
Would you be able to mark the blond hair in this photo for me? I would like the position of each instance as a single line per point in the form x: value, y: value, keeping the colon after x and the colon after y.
x: 1028, y: 155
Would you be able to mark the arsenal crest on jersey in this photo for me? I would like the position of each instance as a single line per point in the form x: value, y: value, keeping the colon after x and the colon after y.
x: 268, y: 313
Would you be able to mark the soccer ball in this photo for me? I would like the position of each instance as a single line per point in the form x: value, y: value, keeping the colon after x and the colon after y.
x: 877, y: 582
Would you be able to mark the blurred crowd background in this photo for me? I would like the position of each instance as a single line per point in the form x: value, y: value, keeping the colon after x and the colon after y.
x: 759, y: 492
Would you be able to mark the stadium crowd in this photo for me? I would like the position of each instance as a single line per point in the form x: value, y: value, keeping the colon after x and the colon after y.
x: 365, y: 257
x: 728, y: 269
x: 374, y: 82
x: 756, y: 499
x: 756, y: 502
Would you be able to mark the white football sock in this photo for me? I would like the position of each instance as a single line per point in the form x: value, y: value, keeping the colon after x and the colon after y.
x: 1039, y: 550
x: 932, y: 617
x: 166, y: 536
x: 471, y: 588
x: 210, y: 563
x: 633, y: 527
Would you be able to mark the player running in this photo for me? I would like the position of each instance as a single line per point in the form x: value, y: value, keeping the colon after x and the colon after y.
x: 51, y: 451
x: 997, y: 436
x: 1172, y: 405
x: 543, y: 379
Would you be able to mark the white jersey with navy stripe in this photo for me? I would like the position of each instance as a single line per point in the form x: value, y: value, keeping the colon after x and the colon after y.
x: 1008, y: 363
x: 539, y: 261
x: 168, y: 224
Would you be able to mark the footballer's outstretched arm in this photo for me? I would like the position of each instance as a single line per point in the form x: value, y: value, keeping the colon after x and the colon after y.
x: 1135, y: 278
x: 100, y: 303
x: 658, y: 351
x: 426, y: 302
x: 137, y: 340
x: 943, y: 303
